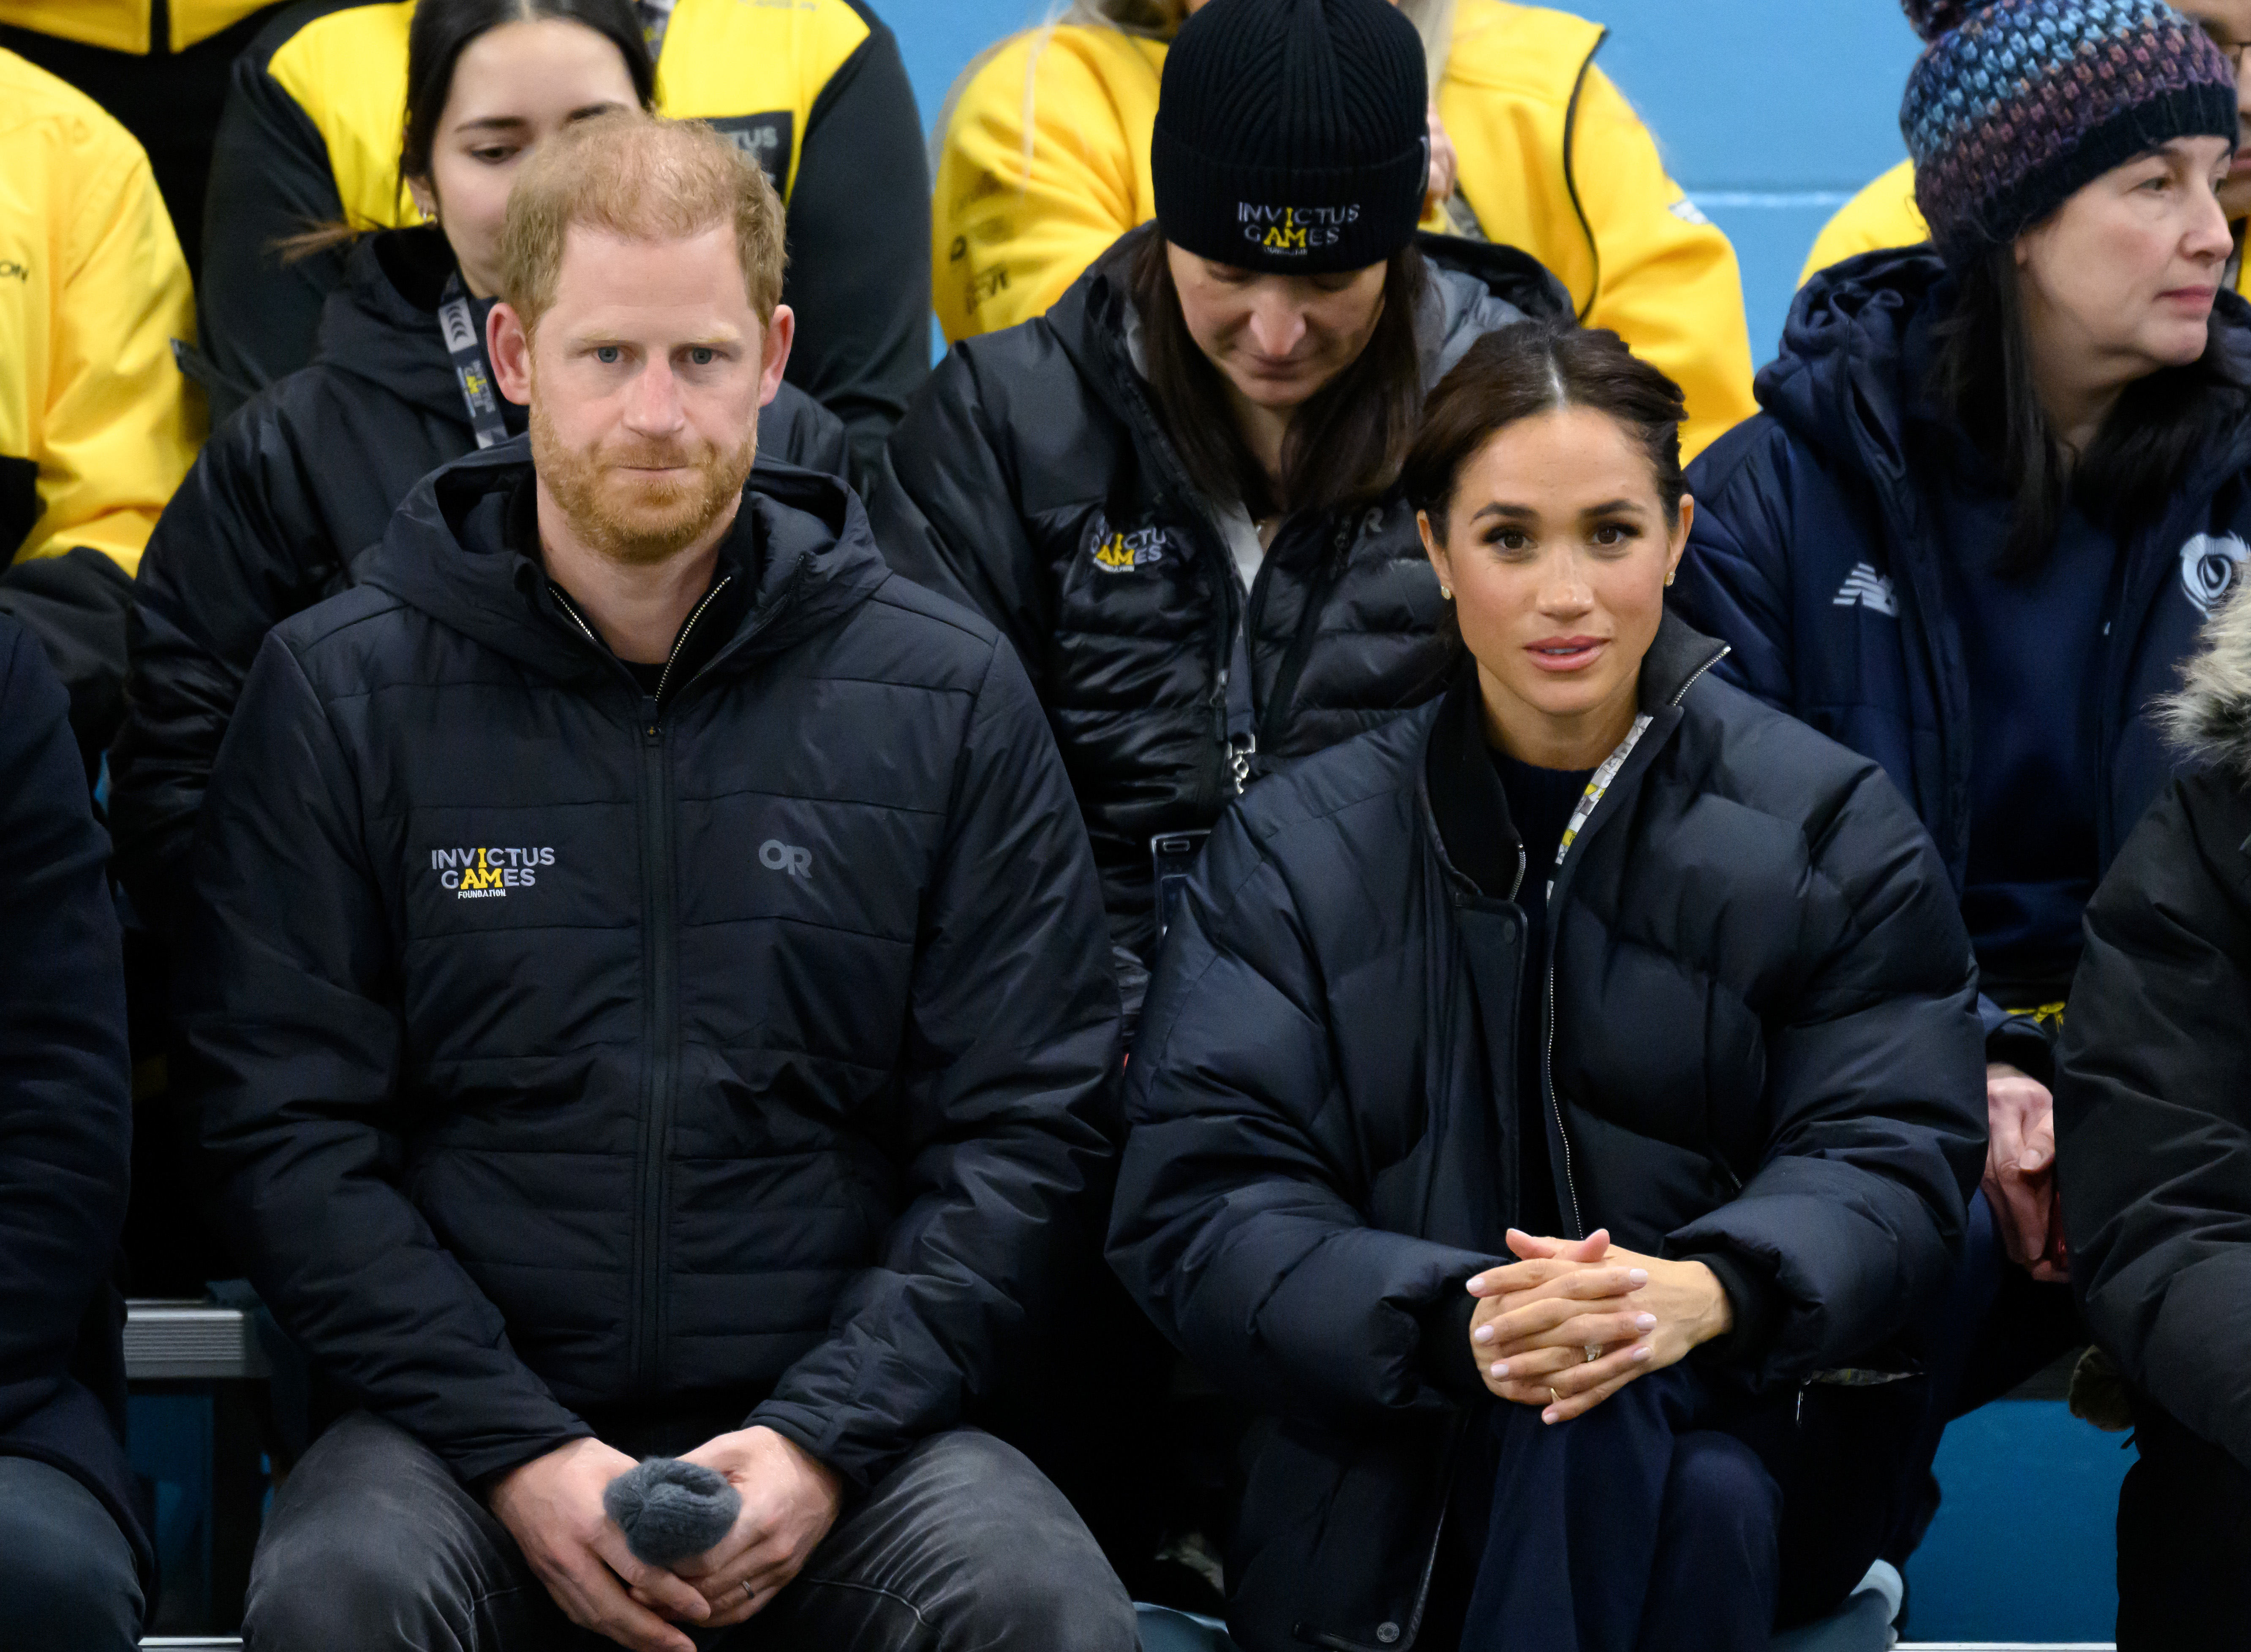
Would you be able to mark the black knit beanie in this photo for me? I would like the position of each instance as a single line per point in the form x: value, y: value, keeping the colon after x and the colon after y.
x: 1292, y: 135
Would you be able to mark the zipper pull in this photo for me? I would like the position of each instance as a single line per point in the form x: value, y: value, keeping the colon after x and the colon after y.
x: 652, y: 730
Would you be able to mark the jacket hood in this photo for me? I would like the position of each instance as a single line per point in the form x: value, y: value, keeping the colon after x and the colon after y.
x: 382, y: 324
x: 1840, y: 382
x: 802, y: 536
x: 1474, y: 287
x: 2210, y: 718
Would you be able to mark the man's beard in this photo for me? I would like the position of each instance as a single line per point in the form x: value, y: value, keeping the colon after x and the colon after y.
x: 627, y: 514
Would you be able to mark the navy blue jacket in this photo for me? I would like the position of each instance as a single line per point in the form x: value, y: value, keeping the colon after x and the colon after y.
x: 66, y: 1103
x: 574, y: 1060
x: 1817, y: 557
x: 1760, y: 1046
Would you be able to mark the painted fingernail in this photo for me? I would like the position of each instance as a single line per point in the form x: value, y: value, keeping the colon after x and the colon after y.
x: 1638, y: 1354
x: 1483, y: 1334
x: 1551, y: 1415
x: 1644, y: 1322
x: 1500, y: 1367
x: 1638, y: 1277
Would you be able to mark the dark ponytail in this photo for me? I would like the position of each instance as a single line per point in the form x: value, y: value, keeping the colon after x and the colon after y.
x: 1981, y: 378
x: 1534, y: 368
x: 442, y: 30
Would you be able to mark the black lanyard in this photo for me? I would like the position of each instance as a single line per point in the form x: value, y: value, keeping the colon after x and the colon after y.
x: 470, y: 372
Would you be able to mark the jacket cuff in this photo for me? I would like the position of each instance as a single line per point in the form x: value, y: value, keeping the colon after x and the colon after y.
x: 2026, y: 1045
x: 1756, y: 1304
x: 1447, y: 1363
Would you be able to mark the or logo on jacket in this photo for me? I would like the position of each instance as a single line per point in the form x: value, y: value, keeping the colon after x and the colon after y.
x: 475, y: 874
x: 1865, y: 588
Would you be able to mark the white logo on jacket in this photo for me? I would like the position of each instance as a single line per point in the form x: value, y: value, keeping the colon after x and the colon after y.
x: 1863, y: 587
x: 2208, y: 568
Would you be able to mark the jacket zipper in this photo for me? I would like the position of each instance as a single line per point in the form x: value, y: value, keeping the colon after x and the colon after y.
x: 660, y: 922
x: 1547, y: 1015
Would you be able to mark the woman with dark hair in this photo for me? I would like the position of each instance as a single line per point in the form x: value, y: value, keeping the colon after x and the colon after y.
x: 1997, y: 484
x: 306, y: 476
x: 1176, y: 491
x: 814, y: 90
x: 1042, y: 158
x: 1539, y: 1093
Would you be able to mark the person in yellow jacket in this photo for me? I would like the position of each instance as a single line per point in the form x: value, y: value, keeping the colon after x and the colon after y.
x: 1884, y: 213
x: 164, y: 84
x: 97, y: 425
x: 814, y: 90
x: 1042, y: 161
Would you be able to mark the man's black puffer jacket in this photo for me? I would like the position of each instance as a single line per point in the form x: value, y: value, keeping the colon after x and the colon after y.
x: 1765, y: 1048
x: 280, y: 501
x: 2152, y: 1119
x: 756, y: 1073
x: 1032, y: 481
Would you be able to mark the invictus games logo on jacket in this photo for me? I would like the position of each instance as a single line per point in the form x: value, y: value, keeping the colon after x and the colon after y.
x: 1294, y: 229
x: 477, y: 874
x: 2209, y: 565
x: 1121, y: 553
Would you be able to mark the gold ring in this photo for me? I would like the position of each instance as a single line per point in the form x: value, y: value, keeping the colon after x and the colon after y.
x: 1555, y: 1396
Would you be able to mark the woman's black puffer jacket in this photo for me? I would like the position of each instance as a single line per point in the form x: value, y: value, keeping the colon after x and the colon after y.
x: 283, y: 499
x: 1765, y: 1048
x: 1032, y: 483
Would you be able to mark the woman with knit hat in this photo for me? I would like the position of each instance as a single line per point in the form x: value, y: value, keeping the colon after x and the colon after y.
x: 1043, y: 159
x: 1998, y: 483
x: 1176, y: 492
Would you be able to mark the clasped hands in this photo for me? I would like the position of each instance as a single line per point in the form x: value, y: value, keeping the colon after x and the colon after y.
x: 1574, y: 1321
x: 552, y: 1506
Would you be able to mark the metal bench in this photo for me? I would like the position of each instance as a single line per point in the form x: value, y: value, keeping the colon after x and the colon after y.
x: 201, y: 1346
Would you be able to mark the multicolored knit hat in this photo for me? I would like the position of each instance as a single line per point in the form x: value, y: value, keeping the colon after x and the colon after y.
x: 2015, y: 104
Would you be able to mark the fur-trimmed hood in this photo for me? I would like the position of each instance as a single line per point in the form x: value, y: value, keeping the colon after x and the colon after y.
x: 2210, y: 717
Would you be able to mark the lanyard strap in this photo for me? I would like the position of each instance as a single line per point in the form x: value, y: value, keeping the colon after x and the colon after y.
x: 655, y: 16
x: 469, y: 370
x: 1599, y: 783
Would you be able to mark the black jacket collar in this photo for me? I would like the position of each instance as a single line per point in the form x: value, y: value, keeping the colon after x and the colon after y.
x: 801, y: 540
x: 1469, y: 807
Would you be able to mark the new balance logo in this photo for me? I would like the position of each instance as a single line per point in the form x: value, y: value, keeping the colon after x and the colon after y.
x: 1865, y: 587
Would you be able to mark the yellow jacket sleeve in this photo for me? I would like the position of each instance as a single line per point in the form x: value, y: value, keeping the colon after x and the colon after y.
x: 1553, y: 160
x: 1014, y: 224
x: 1882, y: 215
x: 111, y: 424
x: 1668, y: 283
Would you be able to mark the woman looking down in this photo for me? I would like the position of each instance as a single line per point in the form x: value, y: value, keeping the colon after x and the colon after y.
x: 1537, y: 1090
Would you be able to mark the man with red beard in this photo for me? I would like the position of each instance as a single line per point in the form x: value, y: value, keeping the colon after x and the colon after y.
x: 644, y: 994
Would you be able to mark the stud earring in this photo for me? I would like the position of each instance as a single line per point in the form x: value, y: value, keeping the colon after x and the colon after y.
x: 1668, y: 580
x: 1447, y: 591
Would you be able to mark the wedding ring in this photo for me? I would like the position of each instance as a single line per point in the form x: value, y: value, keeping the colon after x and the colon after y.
x: 749, y: 1593
x: 1594, y: 1351
x: 1552, y: 1395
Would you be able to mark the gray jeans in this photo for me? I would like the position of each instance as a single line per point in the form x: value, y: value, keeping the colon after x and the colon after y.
x: 67, y: 1577
x: 372, y: 1544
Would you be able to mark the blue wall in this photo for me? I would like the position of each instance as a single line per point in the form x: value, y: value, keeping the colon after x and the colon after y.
x: 1770, y: 112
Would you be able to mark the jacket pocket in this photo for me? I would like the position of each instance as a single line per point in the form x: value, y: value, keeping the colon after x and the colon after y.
x: 1338, y: 1535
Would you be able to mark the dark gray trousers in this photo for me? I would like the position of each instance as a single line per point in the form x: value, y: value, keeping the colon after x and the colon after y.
x: 67, y: 1582
x: 964, y: 1547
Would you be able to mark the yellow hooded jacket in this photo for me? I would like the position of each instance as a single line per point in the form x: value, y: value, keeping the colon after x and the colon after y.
x: 1884, y: 215
x: 123, y: 26
x: 814, y: 90
x: 1553, y: 161
x: 96, y: 427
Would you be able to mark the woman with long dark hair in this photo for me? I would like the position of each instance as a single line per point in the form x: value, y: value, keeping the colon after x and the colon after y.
x: 1176, y: 492
x: 308, y: 474
x: 1043, y: 159
x: 1997, y: 484
x: 1539, y: 1095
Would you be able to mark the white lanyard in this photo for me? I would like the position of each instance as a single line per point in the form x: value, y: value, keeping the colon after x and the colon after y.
x: 1599, y: 783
